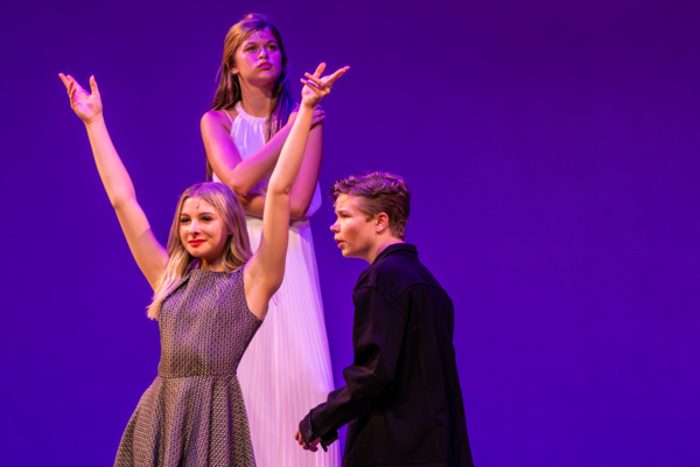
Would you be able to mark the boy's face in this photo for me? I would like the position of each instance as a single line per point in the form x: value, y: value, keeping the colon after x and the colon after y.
x: 356, y: 235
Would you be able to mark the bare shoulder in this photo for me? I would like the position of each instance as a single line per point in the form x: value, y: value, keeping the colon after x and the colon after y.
x: 219, y: 117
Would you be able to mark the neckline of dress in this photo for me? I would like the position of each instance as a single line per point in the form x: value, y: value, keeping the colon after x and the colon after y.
x: 200, y: 270
x: 246, y: 115
x: 203, y: 271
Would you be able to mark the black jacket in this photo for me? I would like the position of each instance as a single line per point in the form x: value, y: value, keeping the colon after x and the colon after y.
x: 402, y: 401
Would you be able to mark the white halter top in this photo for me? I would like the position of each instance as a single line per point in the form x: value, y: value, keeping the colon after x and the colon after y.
x: 248, y: 134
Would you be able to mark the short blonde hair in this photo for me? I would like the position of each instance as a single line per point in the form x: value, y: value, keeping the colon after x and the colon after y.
x: 380, y: 192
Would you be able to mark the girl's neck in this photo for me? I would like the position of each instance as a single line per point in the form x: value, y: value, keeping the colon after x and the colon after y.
x: 256, y: 101
x: 216, y: 265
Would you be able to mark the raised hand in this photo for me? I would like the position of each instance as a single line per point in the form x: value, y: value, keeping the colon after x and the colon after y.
x: 87, y: 106
x: 317, y: 87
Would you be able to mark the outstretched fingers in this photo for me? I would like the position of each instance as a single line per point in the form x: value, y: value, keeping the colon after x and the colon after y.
x: 316, y: 77
x: 64, y: 80
x: 312, y: 82
x: 71, y: 93
x: 336, y: 75
x: 93, y: 85
x: 68, y: 80
x: 320, y: 69
x: 317, y: 87
x: 86, y: 104
x: 72, y: 86
x: 325, y: 82
x: 69, y: 83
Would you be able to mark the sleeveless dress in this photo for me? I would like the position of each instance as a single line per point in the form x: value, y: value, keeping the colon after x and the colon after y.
x: 193, y: 414
x: 286, y: 370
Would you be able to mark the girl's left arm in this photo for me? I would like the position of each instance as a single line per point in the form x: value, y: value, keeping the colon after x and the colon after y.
x: 305, y: 184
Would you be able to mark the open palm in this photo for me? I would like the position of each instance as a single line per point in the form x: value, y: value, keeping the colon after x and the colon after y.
x: 317, y: 87
x: 87, y: 106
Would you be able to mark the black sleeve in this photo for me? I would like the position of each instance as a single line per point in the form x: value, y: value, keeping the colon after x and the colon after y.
x: 377, y: 337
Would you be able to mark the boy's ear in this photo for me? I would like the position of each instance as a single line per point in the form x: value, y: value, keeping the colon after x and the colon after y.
x: 381, y: 221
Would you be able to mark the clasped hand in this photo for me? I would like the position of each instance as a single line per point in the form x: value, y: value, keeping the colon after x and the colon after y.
x: 313, y: 446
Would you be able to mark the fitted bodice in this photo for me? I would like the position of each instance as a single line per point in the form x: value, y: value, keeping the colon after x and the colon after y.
x: 205, y: 325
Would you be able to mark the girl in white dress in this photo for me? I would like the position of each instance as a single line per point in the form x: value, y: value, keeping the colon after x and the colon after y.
x: 286, y: 370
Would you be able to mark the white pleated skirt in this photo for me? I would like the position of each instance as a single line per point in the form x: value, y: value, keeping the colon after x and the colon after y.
x: 286, y: 370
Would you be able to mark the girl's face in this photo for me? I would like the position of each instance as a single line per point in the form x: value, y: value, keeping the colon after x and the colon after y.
x: 258, y: 60
x: 202, y: 232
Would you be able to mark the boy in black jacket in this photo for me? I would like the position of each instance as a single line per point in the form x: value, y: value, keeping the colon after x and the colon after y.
x: 402, y: 401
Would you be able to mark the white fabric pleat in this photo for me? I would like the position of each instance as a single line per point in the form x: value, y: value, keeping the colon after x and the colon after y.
x: 286, y: 370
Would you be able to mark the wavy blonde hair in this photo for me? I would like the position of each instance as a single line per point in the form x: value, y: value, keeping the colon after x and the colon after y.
x: 228, y: 91
x: 180, y: 263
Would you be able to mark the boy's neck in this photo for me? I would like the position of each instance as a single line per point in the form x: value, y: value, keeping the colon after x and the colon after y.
x: 381, y: 246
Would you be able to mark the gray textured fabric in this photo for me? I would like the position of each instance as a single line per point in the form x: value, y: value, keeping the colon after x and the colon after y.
x: 193, y: 413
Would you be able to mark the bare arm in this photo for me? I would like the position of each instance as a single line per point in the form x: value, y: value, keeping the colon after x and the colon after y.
x: 305, y: 184
x: 150, y: 256
x: 265, y: 270
x: 242, y: 175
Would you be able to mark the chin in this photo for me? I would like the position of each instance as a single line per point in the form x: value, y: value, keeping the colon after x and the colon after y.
x: 195, y: 254
x: 265, y: 79
x: 347, y: 253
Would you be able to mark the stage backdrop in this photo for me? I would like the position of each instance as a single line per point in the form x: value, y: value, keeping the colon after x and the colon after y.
x: 552, y: 152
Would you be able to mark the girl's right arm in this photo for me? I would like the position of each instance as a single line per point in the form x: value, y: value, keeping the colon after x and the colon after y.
x: 226, y: 162
x: 242, y: 175
x: 150, y: 255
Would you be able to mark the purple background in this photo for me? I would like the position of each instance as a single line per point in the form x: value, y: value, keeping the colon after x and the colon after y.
x: 552, y: 151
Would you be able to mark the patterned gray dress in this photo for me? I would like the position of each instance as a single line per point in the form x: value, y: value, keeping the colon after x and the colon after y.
x: 193, y: 413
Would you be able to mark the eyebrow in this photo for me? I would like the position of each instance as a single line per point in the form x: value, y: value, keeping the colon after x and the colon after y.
x: 257, y: 41
x: 202, y: 213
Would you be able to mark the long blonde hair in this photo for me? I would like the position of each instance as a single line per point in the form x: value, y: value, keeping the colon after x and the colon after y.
x: 236, y: 252
x: 228, y: 91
